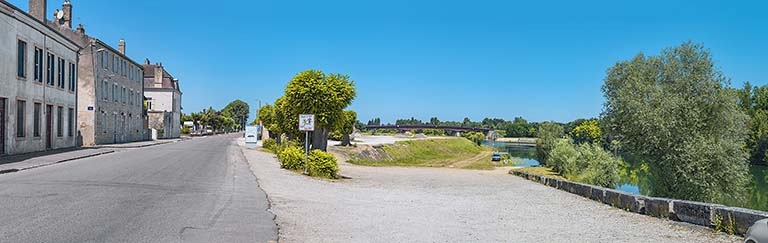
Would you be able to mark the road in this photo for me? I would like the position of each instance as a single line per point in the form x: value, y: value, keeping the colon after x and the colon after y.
x: 199, y: 190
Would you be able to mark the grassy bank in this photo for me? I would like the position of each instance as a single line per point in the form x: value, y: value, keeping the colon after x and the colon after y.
x: 542, y: 171
x: 429, y: 153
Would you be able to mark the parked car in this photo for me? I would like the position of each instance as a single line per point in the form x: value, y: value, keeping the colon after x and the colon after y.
x: 496, y: 156
x: 758, y: 233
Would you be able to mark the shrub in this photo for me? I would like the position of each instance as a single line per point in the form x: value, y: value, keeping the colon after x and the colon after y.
x: 433, y: 132
x: 269, y: 144
x: 185, y: 130
x: 323, y: 164
x: 292, y: 158
x: 587, y: 163
x: 476, y: 137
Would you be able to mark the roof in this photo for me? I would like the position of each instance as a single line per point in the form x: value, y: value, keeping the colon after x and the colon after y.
x: 168, y: 81
x: 13, y: 9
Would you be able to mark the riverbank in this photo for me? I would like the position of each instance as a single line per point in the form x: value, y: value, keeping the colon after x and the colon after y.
x: 442, y: 152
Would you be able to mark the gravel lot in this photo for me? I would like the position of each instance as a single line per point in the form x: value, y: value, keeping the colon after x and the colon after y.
x: 394, y: 204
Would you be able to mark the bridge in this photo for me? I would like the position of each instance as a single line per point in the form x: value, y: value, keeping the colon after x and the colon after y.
x: 456, y: 129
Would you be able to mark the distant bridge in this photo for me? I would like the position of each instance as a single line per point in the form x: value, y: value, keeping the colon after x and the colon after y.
x: 456, y: 129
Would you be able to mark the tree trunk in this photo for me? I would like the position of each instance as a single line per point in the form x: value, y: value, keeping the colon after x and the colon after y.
x: 320, y: 139
x: 345, y: 140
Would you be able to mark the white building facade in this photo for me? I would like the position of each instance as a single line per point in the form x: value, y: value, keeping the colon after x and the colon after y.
x: 38, y: 82
x: 163, y: 96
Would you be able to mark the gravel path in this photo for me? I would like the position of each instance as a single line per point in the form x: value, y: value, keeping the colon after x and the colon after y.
x: 394, y: 204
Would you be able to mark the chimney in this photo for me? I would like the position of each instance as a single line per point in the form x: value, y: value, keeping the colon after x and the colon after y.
x: 67, y: 19
x: 80, y: 29
x: 121, y: 46
x: 158, y: 76
x: 37, y: 8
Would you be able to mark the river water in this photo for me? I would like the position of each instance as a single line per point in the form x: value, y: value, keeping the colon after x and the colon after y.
x: 635, y: 180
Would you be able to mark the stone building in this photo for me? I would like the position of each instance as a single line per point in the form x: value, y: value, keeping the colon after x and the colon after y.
x: 38, y: 76
x: 110, y: 88
x: 163, y: 96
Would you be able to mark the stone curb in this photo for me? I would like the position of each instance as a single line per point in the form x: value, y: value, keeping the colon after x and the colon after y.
x: 6, y: 171
x: 135, y: 146
x: 698, y: 213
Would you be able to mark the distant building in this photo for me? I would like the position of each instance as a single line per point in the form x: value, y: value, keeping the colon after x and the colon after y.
x: 110, y: 96
x: 163, y: 96
x: 38, y: 76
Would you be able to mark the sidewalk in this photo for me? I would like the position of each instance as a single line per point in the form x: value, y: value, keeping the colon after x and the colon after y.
x: 140, y: 144
x: 20, y: 162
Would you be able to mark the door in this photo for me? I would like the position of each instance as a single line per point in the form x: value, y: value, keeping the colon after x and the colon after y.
x: 122, y: 136
x: 2, y: 126
x: 48, y: 126
x: 114, y: 131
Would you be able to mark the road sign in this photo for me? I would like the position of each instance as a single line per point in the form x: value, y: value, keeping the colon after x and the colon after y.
x: 307, y: 122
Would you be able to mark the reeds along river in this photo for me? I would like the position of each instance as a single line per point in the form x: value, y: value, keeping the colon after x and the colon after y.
x: 637, y: 180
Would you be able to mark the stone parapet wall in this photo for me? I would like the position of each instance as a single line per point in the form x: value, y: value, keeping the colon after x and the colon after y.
x: 699, y: 213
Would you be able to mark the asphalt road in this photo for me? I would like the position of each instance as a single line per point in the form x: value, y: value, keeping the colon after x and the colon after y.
x: 199, y: 190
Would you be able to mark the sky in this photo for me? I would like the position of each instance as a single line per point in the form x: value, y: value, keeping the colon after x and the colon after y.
x: 541, y: 60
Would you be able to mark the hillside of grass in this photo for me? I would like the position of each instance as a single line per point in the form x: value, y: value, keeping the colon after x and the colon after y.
x: 428, y: 153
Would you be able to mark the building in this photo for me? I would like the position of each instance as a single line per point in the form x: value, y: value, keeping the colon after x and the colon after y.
x: 110, y: 88
x: 38, y: 73
x: 163, y: 98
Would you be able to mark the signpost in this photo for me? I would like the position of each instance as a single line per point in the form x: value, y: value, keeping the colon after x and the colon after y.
x: 306, y: 124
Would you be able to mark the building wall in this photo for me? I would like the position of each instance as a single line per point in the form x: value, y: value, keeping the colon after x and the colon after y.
x: 114, y: 99
x: 166, y: 101
x: 16, y: 25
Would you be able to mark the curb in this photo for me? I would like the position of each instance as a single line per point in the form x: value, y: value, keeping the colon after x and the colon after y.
x: 135, y: 146
x: 6, y: 171
x: 697, y: 213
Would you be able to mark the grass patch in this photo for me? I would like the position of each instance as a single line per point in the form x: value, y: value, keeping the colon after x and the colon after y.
x: 542, y: 171
x: 429, y: 153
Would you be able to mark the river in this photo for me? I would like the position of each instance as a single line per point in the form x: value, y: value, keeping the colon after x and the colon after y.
x: 636, y: 180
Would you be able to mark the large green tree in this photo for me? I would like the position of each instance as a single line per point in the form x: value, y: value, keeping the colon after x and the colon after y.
x: 548, y: 135
x: 238, y: 110
x: 674, y: 112
x: 346, y: 126
x: 324, y: 95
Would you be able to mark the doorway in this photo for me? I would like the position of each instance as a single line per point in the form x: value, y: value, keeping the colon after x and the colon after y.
x: 2, y: 126
x: 48, y: 127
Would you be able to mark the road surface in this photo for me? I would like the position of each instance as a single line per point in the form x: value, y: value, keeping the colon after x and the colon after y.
x: 199, y: 190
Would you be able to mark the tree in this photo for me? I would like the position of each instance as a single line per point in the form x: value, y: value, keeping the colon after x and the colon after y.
x: 549, y: 133
x: 475, y: 137
x: 587, y: 132
x: 674, y: 112
x: 238, y: 110
x: 434, y: 121
x: 345, y: 126
x: 313, y: 92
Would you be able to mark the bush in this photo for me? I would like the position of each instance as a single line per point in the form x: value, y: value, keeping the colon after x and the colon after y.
x: 185, y: 130
x: 292, y: 158
x: 433, y: 132
x: 586, y: 163
x: 323, y: 164
x: 475, y: 137
x: 269, y: 144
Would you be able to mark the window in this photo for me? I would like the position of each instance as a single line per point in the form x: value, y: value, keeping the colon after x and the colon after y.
x: 114, y: 63
x: 38, y: 65
x: 104, y: 90
x: 36, y: 122
x: 59, y: 125
x: 61, y: 73
x: 115, y: 93
x: 51, y: 68
x: 71, y: 125
x: 103, y: 59
x: 123, y: 99
x: 20, y: 113
x: 21, y: 62
x: 149, y: 104
x: 72, y: 77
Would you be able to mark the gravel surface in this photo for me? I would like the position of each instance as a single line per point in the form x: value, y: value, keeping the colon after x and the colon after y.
x: 394, y: 204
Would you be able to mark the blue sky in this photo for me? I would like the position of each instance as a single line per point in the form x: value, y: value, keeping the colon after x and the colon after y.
x: 542, y: 60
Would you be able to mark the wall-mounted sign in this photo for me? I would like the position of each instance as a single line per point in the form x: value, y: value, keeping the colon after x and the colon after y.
x: 90, y: 108
x: 307, y: 122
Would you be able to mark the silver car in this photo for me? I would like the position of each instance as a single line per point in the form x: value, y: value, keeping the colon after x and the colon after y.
x: 758, y: 233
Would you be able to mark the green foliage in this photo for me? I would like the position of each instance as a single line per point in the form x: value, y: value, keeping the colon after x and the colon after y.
x: 238, y: 111
x: 754, y: 101
x: 185, y: 130
x: 587, y: 163
x: 433, y: 132
x: 548, y: 133
x: 292, y: 158
x: 587, y: 132
x: 673, y: 111
x: 344, y: 126
x: 269, y: 144
x: 475, y: 137
x: 323, y: 164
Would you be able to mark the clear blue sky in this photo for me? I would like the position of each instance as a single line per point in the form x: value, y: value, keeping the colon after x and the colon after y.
x: 542, y: 60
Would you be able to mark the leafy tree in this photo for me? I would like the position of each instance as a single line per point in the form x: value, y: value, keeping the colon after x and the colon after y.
x: 313, y: 92
x: 374, y: 122
x: 476, y: 137
x: 548, y: 134
x: 345, y: 126
x: 673, y: 111
x: 434, y: 121
x: 238, y: 110
x: 587, y: 132
x: 587, y: 163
